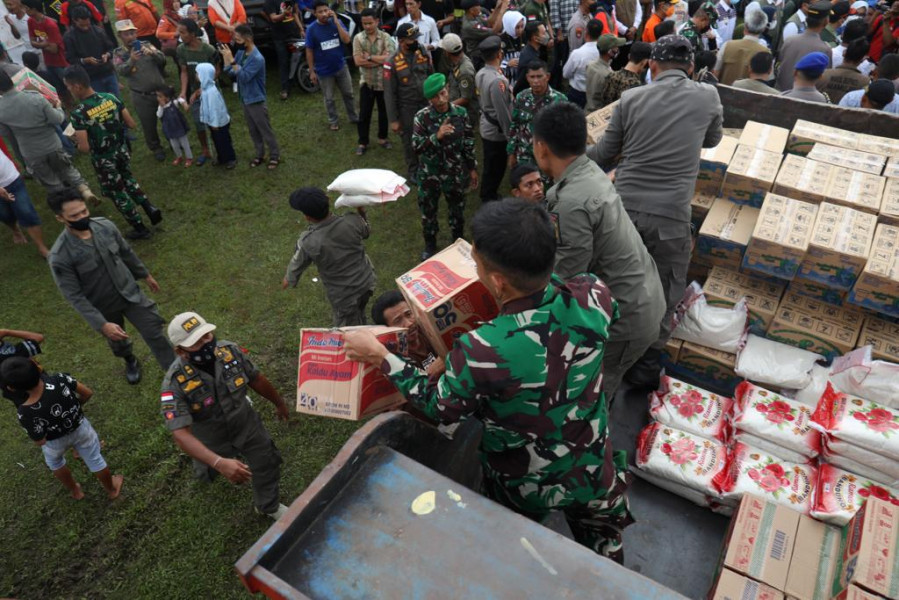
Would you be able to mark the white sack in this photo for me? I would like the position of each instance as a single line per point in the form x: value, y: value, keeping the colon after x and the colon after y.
x: 772, y: 363
x: 711, y: 326
x: 367, y: 182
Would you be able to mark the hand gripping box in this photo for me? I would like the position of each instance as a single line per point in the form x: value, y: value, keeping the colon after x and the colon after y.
x: 877, y: 287
x: 712, y: 165
x: 331, y: 385
x: 781, y: 236
x: 750, y: 175
x: 447, y: 297
x: 839, y: 248
x: 870, y: 550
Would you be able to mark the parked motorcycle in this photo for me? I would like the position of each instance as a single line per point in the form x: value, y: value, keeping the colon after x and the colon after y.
x: 299, y: 68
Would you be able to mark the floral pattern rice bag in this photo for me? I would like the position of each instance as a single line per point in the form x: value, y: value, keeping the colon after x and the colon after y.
x: 862, y: 423
x: 840, y: 494
x: 776, y: 419
x: 691, y: 409
x: 755, y: 472
x: 684, y: 458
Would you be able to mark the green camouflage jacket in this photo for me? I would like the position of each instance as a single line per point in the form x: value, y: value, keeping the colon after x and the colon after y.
x: 454, y: 154
x: 524, y: 107
x: 533, y: 375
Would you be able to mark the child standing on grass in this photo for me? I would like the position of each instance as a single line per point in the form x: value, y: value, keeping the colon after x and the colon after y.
x: 174, y: 124
x: 52, y: 417
x: 214, y: 114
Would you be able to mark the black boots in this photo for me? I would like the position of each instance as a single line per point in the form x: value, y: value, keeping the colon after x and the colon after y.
x: 430, y: 247
x: 132, y: 370
x: 154, y: 213
x: 140, y: 232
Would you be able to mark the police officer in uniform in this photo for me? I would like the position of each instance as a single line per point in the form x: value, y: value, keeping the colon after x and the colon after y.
x: 460, y: 74
x: 404, y: 76
x: 495, y: 97
x: 205, y: 405
x: 476, y: 27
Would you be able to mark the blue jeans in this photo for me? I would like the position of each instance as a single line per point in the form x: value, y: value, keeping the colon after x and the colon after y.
x: 84, y: 439
x: 67, y: 144
x: 107, y: 83
x: 21, y: 210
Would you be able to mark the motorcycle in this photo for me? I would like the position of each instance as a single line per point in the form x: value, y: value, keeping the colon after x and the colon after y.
x: 299, y: 68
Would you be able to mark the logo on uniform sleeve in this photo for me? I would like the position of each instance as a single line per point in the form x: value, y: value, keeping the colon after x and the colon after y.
x: 167, y: 397
x: 169, y: 415
x: 190, y: 324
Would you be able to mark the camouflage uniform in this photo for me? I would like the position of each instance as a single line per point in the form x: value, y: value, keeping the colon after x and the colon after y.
x: 521, y: 135
x: 533, y: 375
x: 693, y: 36
x: 101, y: 116
x: 444, y: 165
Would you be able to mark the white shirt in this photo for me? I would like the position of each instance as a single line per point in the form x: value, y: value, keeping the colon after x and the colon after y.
x: 8, y: 171
x: 790, y: 29
x: 638, y: 18
x: 727, y: 21
x: 23, y: 43
x: 866, y: 67
x: 853, y: 99
x: 575, y: 69
x: 428, y: 34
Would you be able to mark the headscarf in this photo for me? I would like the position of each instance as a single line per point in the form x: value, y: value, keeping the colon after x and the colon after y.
x: 511, y: 19
x: 223, y: 8
x: 168, y: 7
x: 213, y: 111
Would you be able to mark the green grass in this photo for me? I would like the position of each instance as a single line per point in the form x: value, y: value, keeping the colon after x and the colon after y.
x: 222, y: 251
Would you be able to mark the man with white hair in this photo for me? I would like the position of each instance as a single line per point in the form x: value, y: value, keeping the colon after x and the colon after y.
x: 734, y: 56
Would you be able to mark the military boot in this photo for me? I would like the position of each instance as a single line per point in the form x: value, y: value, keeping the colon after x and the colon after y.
x: 154, y: 213
x: 430, y: 247
x: 140, y: 232
x: 132, y: 370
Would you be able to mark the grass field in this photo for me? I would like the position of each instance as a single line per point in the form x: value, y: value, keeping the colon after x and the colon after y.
x: 222, y: 251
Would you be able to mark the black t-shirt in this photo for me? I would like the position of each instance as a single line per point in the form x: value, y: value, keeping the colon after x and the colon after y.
x: 437, y: 9
x: 56, y: 413
x: 283, y: 29
x: 24, y: 349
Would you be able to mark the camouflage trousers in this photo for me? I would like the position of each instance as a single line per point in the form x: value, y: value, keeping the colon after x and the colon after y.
x: 596, y: 524
x: 118, y: 184
x: 429, y: 190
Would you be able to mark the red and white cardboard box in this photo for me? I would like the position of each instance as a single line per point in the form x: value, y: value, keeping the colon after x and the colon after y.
x: 870, y: 558
x: 447, y: 297
x: 331, y: 385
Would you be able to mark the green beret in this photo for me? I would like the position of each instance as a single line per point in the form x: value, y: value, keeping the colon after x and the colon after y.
x: 433, y: 84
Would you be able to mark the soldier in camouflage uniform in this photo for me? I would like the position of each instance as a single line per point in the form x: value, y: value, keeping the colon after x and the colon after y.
x: 524, y: 107
x: 702, y: 20
x: 533, y: 375
x: 444, y: 140
x: 99, y: 122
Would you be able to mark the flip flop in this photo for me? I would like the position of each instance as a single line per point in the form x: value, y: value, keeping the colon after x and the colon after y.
x: 334, y: 127
x: 273, y: 163
x: 201, y: 160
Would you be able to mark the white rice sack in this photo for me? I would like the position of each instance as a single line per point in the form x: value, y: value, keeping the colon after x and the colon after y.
x: 755, y: 472
x: 840, y: 494
x: 811, y: 393
x: 863, y: 469
x: 690, y: 408
x: 367, y: 182
x: 772, y: 417
x: 768, y: 362
x: 711, y: 326
x: 855, y: 373
x: 683, y: 458
x: 355, y: 201
x: 868, y: 425
x: 697, y: 498
x: 769, y: 447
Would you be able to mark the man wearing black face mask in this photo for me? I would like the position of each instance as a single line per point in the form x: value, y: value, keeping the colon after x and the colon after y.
x: 205, y: 405
x: 97, y: 272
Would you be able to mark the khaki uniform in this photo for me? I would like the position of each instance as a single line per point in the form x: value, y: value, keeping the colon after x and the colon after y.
x: 735, y: 57
x: 793, y: 50
x: 473, y: 32
x: 810, y: 93
x: 404, y: 76
x: 217, y: 409
x: 460, y: 79
x: 595, y: 235
x: 836, y: 82
x: 144, y: 76
x: 597, y: 73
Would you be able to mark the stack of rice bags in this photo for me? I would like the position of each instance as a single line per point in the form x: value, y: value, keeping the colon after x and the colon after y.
x: 684, y: 448
x: 367, y: 187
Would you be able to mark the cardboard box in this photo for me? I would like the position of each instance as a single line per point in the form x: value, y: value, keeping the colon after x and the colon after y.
x: 882, y: 336
x: 839, y: 248
x: 724, y: 287
x: 849, y: 158
x: 802, y: 178
x: 815, y: 326
x: 781, y: 236
x: 818, y: 291
x: 806, y: 134
x: 876, y: 144
x: 699, y: 208
x: 856, y: 593
x: 877, y: 287
x: 671, y: 350
x: 870, y: 557
x: 766, y: 137
x: 712, y: 165
x: 816, y: 557
x: 892, y: 168
x: 725, y: 233
x: 750, y: 175
x: 598, y: 121
x: 889, y: 205
x: 697, y: 272
x: 331, y: 385
x: 855, y: 189
x: 28, y: 80
x: 732, y: 586
x: 447, y: 297
x: 707, y: 367
x: 759, y: 542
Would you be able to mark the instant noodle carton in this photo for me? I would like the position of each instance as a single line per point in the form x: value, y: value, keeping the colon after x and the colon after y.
x: 892, y: 168
x: 750, y: 175
x: 817, y: 290
x: 331, y: 385
x: 598, y: 122
x: 870, y: 550
x: 708, y: 367
x: 781, y: 236
x: 712, y: 165
x: 853, y: 592
x: 766, y: 137
x: 815, y: 326
x: 815, y: 560
x: 883, y: 337
x: 447, y: 297
x: 759, y: 543
x: 802, y: 178
x: 671, y: 350
x: 725, y: 233
x: 849, y: 158
x: 855, y: 189
x: 889, y: 206
x: 806, y: 134
x: 725, y: 287
x: 732, y: 586
x: 876, y: 144
x: 28, y: 80
x: 877, y: 287
x: 839, y: 248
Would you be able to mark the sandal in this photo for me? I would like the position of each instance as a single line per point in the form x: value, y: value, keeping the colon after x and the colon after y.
x: 273, y: 163
x: 283, y: 96
x: 386, y: 145
x: 257, y: 161
x: 360, y: 150
x: 201, y: 160
x: 334, y: 126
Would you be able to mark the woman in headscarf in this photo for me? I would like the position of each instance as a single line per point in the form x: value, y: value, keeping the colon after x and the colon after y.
x: 513, y: 28
x: 225, y: 15
x: 167, y: 30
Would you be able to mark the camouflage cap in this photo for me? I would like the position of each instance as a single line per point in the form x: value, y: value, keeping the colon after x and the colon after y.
x: 672, y: 48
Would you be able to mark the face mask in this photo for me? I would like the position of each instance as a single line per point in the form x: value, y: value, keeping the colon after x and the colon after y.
x: 81, y: 224
x: 205, y: 355
x: 413, y: 46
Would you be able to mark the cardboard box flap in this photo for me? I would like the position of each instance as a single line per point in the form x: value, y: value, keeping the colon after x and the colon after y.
x: 729, y: 221
x: 816, y: 556
x: 720, y: 154
x: 766, y: 137
x: 732, y: 586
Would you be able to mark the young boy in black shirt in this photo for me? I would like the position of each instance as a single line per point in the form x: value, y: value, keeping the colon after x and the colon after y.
x: 28, y: 347
x: 52, y: 417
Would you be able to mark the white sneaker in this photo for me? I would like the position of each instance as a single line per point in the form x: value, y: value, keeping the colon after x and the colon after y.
x: 276, y: 514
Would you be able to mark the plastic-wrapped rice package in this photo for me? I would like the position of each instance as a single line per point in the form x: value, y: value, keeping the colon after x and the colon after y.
x: 775, y: 364
x: 711, y: 326
x: 864, y: 469
x: 779, y: 420
x: 769, y: 447
x: 697, y: 498
x: 817, y: 384
x: 752, y: 471
x: 857, y: 374
x: 691, y: 409
x: 857, y: 422
x: 681, y: 457
x: 840, y: 494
